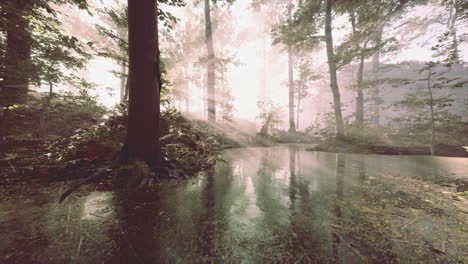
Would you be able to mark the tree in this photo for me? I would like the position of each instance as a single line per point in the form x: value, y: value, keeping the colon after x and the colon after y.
x: 436, y: 79
x: 116, y: 46
x: 302, y: 84
x: 142, y: 141
x: 332, y: 69
x: 16, y: 67
x: 142, y: 145
x: 55, y: 56
x: 210, y: 64
x: 292, y: 126
x: 270, y: 116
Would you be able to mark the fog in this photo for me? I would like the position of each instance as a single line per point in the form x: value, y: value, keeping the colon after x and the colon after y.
x: 256, y: 69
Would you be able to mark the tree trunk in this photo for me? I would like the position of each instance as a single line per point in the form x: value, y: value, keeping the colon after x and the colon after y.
x: 17, y: 67
x: 431, y: 104
x: 454, y: 13
x: 298, y: 110
x: 142, y: 142
x: 359, y: 92
x: 359, y: 113
x: 157, y: 55
x: 375, y: 75
x: 127, y: 84
x: 332, y: 68
x: 3, y: 123
x: 210, y: 64
x: 266, y: 125
x: 292, y: 126
x: 45, y: 108
x: 123, y: 83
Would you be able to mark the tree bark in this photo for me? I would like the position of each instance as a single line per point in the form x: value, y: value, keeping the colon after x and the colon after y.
x: 210, y: 64
x: 17, y: 70
x: 142, y: 140
x: 332, y: 69
x: 454, y: 13
x: 375, y: 75
x: 431, y: 104
x: 292, y: 126
x: 359, y: 92
x: 123, y: 83
x: 298, y: 110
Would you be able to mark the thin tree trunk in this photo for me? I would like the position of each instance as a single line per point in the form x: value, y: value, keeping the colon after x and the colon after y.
x: 332, y: 68
x: 454, y: 13
x: 359, y: 92
x: 431, y: 104
x: 298, y: 110
x: 292, y: 126
x: 125, y: 95
x: 187, y: 89
x: 45, y: 108
x: 210, y: 64
x: 142, y: 141
x: 375, y: 76
x: 123, y: 83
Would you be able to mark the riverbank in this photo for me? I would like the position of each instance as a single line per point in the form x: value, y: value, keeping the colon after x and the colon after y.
x: 356, y: 147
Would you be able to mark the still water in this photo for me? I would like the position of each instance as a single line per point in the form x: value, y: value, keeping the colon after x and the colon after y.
x: 279, y: 204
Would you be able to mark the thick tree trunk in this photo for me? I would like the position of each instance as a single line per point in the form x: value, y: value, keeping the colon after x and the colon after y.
x: 332, y: 68
x: 210, y: 64
x: 292, y: 126
x: 157, y: 55
x: 18, y: 51
x: 143, y: 111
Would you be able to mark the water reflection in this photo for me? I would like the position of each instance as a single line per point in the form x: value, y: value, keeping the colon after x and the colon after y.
x: 280, y: 204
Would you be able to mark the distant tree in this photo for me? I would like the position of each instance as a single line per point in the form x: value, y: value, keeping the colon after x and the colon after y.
x: 18, y: 43
x: 116, y: 46
x: 55, y: 56
x: 114, y: 30
x: 269, y: 115
x: 302, y: 84
x: 428, y: 97
x: 210, y: 64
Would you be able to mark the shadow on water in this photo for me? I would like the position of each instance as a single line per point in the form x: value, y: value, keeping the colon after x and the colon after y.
x: 279, y: 204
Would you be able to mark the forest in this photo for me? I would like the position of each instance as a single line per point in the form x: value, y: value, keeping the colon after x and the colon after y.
x: 233, y: 131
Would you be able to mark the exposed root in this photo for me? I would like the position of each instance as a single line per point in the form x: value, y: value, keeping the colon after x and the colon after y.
x: 137, y: 172
x: 123, y: 155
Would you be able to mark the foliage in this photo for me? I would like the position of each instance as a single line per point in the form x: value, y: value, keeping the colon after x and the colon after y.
x: 55, y: 55
x: 269, y: 114
x: 192, y: 145
x: 47, y: 49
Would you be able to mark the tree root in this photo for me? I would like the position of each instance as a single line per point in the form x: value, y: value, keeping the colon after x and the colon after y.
x: 139, y: 172
x: 120, y: 159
